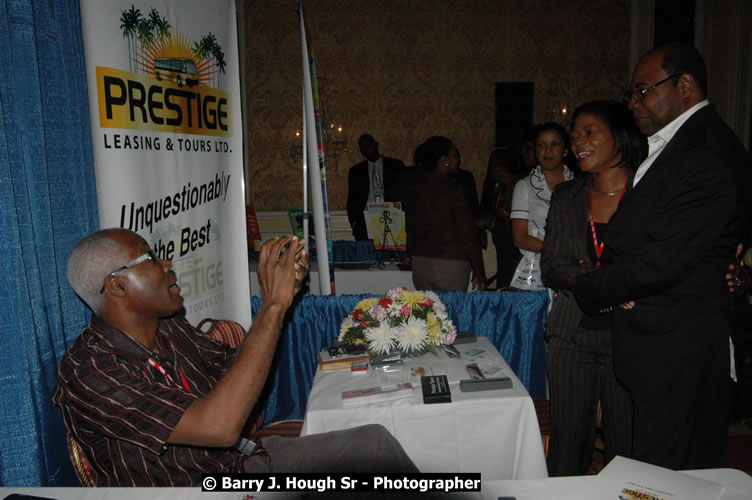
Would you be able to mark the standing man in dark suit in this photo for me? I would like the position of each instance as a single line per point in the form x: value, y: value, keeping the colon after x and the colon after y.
x: 673, y: 236
x: 372, y: 180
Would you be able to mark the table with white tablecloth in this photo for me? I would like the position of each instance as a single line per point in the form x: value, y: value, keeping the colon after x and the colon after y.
x: 492, y: 432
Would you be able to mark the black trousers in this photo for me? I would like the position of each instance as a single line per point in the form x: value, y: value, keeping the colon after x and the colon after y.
x: 579, y: 375
x: 679, y: 382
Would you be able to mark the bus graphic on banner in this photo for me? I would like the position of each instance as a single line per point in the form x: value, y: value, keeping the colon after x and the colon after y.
x: 176, y: 69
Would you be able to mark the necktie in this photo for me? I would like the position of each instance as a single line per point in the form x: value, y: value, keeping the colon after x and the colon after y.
x: 378, y: 187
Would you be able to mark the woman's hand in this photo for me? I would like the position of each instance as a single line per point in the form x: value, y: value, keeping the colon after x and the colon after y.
x: 478, y: 284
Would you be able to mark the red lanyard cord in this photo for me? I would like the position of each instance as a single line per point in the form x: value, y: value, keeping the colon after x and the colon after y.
x: 598, y: 246
x: 161, y: 370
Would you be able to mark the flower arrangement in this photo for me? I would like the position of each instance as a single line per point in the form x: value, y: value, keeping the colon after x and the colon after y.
x: 410, y: 321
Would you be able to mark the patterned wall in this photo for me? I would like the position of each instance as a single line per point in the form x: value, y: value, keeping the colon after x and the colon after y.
x: 406, y: 70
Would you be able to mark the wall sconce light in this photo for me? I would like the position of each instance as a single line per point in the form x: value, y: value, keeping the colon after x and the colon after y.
x: 335, y: 142
x: 558, y: 108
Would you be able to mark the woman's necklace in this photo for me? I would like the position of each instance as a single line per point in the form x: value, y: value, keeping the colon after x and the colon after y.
x: 610, y: 193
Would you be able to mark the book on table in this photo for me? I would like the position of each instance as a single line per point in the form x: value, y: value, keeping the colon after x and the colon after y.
x: 339, y: 360
x: 377, y: 394
x: 435, y: 389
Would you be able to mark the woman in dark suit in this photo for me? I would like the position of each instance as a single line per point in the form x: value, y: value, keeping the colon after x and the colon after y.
x: 608, y: 148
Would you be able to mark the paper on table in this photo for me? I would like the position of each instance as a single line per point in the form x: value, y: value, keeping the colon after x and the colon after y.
x: 490, y: 369
x: 629, y: 479
x: 377, y: 394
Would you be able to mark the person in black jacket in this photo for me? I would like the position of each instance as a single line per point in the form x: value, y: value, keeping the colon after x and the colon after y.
x: 373, y: 180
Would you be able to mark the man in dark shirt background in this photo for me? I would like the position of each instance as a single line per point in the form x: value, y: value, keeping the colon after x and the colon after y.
x: 373, y: 180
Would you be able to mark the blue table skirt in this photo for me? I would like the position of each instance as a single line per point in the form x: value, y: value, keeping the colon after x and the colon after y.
x: 513, y: 321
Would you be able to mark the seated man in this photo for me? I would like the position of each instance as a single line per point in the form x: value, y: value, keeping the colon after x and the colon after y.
x: 154, y: 403
x: 373, y: 180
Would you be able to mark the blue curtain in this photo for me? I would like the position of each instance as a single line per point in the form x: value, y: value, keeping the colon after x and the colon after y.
x: 513, y: 321
x: 48, y: 202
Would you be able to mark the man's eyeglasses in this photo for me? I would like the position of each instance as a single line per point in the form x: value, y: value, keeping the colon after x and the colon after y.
x: 148, y: 255
x: 639, y: 95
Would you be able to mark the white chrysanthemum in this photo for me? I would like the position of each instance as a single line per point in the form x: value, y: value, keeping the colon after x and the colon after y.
x: 380, y: 339
x: 347, y: 323
x: 412, y: 334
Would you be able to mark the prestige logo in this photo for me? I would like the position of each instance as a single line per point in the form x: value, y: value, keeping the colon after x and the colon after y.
x: 172, y: 85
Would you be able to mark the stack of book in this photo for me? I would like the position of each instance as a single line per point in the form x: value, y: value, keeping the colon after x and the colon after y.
x: 340, y: 361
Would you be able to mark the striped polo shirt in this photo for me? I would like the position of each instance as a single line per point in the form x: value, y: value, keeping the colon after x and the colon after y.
x: 121, y: 402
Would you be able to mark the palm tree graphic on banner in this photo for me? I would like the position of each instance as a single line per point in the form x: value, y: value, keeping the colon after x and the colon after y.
x: 155, y: 50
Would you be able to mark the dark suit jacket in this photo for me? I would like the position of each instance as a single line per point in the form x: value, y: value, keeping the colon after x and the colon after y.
x: 563, y: 247
x: 566, y: 243
x: 673, y: 237
x: 358, y: 187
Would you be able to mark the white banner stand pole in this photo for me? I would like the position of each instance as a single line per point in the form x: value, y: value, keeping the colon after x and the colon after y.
x: 309, y: 133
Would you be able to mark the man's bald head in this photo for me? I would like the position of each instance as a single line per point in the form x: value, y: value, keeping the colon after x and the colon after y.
x: 91, y: 260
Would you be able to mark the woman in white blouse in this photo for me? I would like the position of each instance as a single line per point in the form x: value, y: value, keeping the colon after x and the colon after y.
x: 531, y: 199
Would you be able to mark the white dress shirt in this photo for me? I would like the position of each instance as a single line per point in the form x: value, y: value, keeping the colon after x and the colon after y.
x: 657, y: 142
x: 376, y: 180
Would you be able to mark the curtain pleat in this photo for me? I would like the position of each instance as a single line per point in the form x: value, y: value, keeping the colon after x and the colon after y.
x: 48, y: 202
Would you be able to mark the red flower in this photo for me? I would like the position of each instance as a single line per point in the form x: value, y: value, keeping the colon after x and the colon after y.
x: 405, y: 311
x: 363, y: 323
x: 385, y: 302
x: 427, y: 302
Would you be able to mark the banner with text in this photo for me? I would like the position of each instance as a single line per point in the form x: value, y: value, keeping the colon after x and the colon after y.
x: 164, y: 93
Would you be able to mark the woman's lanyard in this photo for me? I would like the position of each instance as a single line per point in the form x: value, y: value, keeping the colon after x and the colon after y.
x: 598, y: 246
x: 161, y: 370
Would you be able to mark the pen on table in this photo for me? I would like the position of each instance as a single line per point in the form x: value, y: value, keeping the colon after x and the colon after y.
x: 478, y: 352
